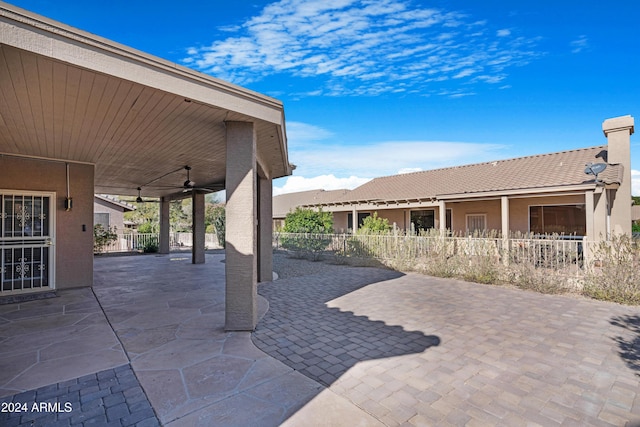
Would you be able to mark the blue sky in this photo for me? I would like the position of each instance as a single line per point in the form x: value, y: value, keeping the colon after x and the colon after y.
x: 379, y: 87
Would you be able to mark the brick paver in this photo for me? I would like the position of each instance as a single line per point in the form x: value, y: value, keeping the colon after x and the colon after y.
x: 416, y: 350
x: 112, y: 397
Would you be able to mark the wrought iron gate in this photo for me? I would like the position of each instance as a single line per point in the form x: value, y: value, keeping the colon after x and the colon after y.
x: 26, y: 242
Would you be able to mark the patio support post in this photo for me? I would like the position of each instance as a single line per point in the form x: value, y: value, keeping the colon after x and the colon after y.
x: 265, y: 249
x: 589, y: 207
x: 197, y: 210
x: 354, y: 222
x: 163, y: 244
x: 241, y: 228
x: 442, y: 216
x: 504, y: 215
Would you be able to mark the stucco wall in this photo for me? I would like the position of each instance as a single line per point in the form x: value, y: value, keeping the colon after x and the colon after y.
x: 340, y: 222
x: 73, y: 243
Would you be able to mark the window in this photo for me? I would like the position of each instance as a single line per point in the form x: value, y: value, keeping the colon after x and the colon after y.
x: 101, y: 218
x: 476, y: 223
x: 426, y: 219
x: 560, y: 219
x: 423, y: 220
x: 361, y: 217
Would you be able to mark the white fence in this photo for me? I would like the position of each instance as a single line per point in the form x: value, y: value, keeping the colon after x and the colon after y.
x: 138, y: 242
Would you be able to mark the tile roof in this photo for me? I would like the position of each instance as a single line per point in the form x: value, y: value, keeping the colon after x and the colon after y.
x: 284, y: 203
x: 559, y: 169
x: 126, y: 206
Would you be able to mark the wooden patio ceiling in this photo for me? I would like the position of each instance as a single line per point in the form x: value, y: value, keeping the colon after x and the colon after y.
x: 135, y: 117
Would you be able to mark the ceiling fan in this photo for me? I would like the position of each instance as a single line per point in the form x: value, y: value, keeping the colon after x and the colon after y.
x: 190, y: 185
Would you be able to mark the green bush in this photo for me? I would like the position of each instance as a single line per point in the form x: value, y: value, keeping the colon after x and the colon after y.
x: 151, y: 245
x: 305, y: 222
x: 147, y: 227
x: 102, y: 237
x: 308, y: 221
x: 375, y: 225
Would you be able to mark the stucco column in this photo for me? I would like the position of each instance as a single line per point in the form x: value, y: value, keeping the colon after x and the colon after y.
x: 163, y: 244
x: 504, y: 217
x: 442, y: 215
x: 265, y: 230
x: 618, y: 131
x: 354, y: 223
x: 197, y: 210
x: 241, y: 229
x: 587, y: 241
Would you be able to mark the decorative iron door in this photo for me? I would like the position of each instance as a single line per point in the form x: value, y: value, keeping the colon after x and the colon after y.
x: 26, y: 242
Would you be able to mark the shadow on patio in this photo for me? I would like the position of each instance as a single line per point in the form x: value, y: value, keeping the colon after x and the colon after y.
x: 164, y: 317
x: 629, y: 340
x: 304, y: 332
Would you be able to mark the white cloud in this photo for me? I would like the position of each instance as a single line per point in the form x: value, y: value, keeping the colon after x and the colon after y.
x: 362, y: 47
x: 387, y: 158
x: 409, y: 170
x: 326, y: 182
x: 579, y: 44
x: 303, y: 132
x: 635, y: 182
x: 322, y: 163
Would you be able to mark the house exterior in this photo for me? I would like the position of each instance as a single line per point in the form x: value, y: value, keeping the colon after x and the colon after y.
x: 546, y: 193
x: 110, y: 212
x: 82, y: 115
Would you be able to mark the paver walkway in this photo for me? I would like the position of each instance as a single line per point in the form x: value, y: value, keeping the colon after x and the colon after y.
x: 416, y: 350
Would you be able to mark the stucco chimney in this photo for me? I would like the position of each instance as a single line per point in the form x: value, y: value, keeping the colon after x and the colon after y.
x: 618, y: 131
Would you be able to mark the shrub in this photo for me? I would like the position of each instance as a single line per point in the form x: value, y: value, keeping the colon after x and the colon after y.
x: 375, y: 225
x: 103, y: 237
x: 308, y: 221
x: 615, y: 272
x: 151, y: 245
x: 299, y: 225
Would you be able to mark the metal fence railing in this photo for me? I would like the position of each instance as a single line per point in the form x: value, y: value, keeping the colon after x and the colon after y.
x: 557, y: 252
x: 134, y: 242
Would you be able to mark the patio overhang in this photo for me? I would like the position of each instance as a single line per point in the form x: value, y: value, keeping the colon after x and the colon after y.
x: 118, y: 119
x: 72, y: 96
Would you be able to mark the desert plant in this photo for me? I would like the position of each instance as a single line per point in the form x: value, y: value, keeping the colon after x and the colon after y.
x: 614, y: 275
x: 151, y: 245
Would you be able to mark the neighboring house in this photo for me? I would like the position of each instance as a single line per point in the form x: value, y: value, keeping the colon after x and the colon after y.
x: 546, y: 193
x: 110, y: 212
x: 635, y: 214
x: 285, y: 203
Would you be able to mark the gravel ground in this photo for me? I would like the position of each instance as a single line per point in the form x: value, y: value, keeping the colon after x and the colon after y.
x: 287, y: 266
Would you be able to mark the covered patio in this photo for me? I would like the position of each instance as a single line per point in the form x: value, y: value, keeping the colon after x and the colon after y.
x: 81, y: 115
x: 147, y: 346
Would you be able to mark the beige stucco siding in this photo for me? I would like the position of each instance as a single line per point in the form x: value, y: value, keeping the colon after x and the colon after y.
x: 340, y: 222
x: 116, y: 213
x: 73, y: 229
